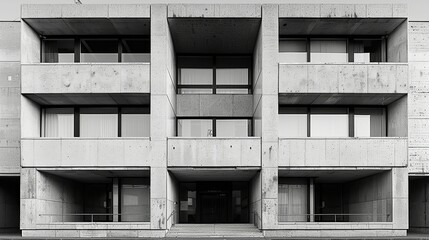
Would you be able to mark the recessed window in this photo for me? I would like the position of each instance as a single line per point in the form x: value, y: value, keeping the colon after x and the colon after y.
x: 58, y: 50
x: 135, y: 200
x: 195, y: 128
x: 369, y: 122
x: 328, y: 51
x: 98, y: 122
x: 58, y: 122
x: 232, y: 128
x: 366, y: 51
x: 293, y: 51
x: 213, y: 127
x: 135, y: 122
x: 135, y: 50
x: 99, y: 50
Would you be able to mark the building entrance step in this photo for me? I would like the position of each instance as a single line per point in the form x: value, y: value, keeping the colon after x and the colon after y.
x: 214, y: 230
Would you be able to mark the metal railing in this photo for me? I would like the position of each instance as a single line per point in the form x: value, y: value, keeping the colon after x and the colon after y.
x: 95, y: 217
x: 172, y: 216
x: 335, y: 217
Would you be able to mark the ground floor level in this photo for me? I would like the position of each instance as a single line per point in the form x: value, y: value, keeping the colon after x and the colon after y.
x: 260, y: 202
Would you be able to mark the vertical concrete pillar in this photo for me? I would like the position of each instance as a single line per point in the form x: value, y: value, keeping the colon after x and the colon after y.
x: 400, y: 198
x: 115, y: 199
x: 269, y: 110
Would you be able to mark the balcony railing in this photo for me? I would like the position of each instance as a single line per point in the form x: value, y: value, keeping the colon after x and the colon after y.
x: 85, y: 152
x: 335, y: 217
x: 85, y: 78
x: 343, y: 78
x: 206, y: 152
x: 343, y: 152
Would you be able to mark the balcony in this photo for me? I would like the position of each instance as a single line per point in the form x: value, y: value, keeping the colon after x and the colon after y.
x: 65, y: 78
x: 343, y: 152
x: 214, y: 152
x: 386, y: 78
x: 85, y: 152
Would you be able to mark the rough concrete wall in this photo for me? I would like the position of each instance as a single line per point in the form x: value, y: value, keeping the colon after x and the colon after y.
x: 210, y: 105
x: 371, y: 195
x: 269, y: 112
x: 30, y: 44
x: 9, y: 204
x: 397, y: 44
x: 10, y: 80
x: 255, y: 200
x: 419, y: 195
x: 172, y: 200
x: 397, y: 120
x: 30, y: 118
x: 418, y: 103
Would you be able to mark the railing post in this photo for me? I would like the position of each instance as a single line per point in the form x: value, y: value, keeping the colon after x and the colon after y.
x: 92, y: 217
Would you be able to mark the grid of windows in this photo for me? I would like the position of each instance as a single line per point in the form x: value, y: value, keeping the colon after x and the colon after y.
x: 214, y: 74
x: 332, y: 50
x: 95, y: 50
x: 367, y: 121
x: 95, y: 122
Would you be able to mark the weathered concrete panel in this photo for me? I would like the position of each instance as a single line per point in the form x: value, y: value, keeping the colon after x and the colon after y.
x: 343, y: 78
x: 215, y: 10
x: 129, y: 10
x: 10, y: 41
x: 418, y: 33
x: 353, y: 152
x: 86, y: 152
x: 212, y: 152
x: 198, y: 105
x: 85, y: 78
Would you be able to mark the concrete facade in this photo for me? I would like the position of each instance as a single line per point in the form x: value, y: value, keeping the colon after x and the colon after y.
x: 381, y: 166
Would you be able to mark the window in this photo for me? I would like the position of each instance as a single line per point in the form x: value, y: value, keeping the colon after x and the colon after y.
x: 95, y: 50
x: 58, y: 50
x: 293, y: 199
x: 99, y: 50
x: 322, y: 50
x: 214, y: 127
x: 214, y: 74
x: 293, y: 51
x: 328, y: 51
x: 58, y: 122
x: 100, y: 122
x: 326, y: 122
x: 135, y: 50
x: 135, y: 200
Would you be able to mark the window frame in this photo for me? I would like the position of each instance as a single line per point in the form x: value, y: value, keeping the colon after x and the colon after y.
x: 349, y: 43
x: 250, y: 130
x: 78, y: 46
x: 214, y: 86
x: 302, y: 109
x: 76, y: 108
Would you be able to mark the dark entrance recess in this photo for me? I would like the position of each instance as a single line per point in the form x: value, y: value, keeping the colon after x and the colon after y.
x: 214, y: 202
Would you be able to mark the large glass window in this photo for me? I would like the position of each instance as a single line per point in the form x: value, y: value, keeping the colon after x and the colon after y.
x: 58, y: 122
x: 366, y: 51
x: 135, y: 50
x: 135, y: 122
x: 98, y: 122
x: 293, y: 51
x: 370, y: 122
x: 293, y: 199
x: 328, y: 51
x: 58, y: 50
x: 195, y: 128
x: 135, y: 200
x: 99, y: 50
x: 214, y: 74
x: 329, y: 122
x: 232, y: 128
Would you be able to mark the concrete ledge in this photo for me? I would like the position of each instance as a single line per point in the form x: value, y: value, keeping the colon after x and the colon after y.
x: 86, y: 152
x: 343, y: 152
x: 343, y: 10
x: 336, y: 233
x: 194, y: 105
x: 215, y: 10
x: 85, y: 11
x: 214, y: 152
x: 343, y: 78
x: 85, y: 78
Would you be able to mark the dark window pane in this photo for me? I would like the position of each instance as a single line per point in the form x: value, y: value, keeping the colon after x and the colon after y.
x: 99, y: 50
x: 135, y: 50
x: 58, y: 50
x: 366, y: 51
x: 370, y: 122
x: 293, y: 51
x: 135, y: 200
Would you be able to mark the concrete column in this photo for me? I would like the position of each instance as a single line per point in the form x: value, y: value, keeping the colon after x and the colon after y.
x: 400, y: 198
x: 269, y: 115
x: 115, y: 199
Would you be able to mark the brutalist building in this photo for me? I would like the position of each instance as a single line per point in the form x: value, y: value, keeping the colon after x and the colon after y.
x: 153, y: 120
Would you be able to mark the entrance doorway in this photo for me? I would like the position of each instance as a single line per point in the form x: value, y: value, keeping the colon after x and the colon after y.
x: 214, y: 202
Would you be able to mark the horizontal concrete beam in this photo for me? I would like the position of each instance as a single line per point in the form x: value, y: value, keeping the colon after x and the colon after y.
x: 214, y: 152
x: 343, y: 78
x: 343, y: 152
x: 215, y: 10
x: 85, y: 78
x: 85, y: 11
x: 86, y: 152
x: 194, y: 105
x: 343, y: 10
